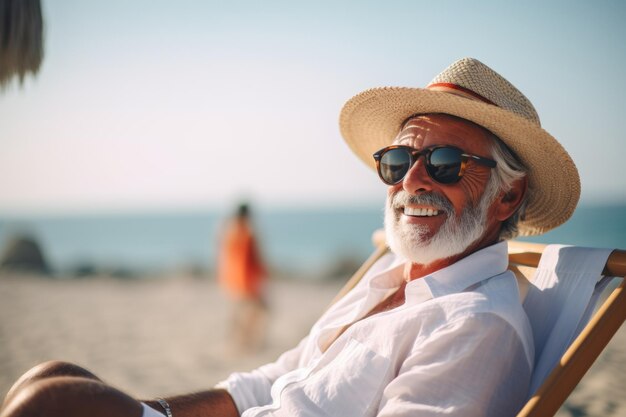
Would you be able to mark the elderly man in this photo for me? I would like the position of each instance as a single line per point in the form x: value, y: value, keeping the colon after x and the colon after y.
x: 434, y: 328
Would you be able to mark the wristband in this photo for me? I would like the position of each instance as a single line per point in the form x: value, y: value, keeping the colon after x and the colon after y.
x: 166, y: 406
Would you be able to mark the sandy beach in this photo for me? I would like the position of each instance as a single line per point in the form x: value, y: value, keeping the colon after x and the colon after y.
x: 168, y: 335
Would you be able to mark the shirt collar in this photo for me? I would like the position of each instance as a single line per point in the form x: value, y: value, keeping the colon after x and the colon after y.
x: 480, y: 265
x: 474, y: 268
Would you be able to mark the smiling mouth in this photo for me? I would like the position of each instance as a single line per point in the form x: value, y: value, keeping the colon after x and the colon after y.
x: 420, y: 212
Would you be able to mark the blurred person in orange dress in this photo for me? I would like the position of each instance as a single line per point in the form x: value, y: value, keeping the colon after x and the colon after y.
x: 242, y: 275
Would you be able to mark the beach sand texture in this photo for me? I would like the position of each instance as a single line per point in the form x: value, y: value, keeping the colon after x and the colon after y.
x: 163, y: 336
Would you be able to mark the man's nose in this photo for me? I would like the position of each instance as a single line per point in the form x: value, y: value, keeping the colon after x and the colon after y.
x: 417, y: 179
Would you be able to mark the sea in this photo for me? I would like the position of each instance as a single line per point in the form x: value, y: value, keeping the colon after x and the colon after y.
x: 294, y: 242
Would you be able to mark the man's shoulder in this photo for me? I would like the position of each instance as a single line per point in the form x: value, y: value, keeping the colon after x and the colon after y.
x: 497, y: 296
x: 494, y: 302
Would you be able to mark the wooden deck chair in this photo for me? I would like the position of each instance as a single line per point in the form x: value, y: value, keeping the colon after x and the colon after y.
x: 581, y: 353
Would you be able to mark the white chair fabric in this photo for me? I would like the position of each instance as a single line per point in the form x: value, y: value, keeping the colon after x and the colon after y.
x: 560, y: 301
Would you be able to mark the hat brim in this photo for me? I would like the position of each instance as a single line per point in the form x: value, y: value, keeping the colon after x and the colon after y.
x: 371, y: 120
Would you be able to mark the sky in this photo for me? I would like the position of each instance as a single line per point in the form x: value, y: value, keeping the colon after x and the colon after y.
x: 160, y: 105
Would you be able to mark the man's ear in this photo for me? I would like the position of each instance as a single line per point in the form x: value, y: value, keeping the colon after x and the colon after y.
x: 509, y: 201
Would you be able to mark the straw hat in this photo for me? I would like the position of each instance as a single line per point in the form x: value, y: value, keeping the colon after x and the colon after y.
x: 471, y: 90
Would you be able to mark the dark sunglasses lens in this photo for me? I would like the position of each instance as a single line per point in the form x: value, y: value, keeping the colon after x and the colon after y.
x: 445, y: 165
x: 394, y: 164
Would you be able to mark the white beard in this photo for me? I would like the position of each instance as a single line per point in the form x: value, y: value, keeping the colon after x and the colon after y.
x: 454, y: 236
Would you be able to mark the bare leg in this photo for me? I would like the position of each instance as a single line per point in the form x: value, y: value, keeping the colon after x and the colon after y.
x: 47, y: 370
x: 254, y: 325
x: 63, y: 389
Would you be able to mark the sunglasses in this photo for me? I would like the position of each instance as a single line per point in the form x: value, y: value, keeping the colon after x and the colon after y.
x: 444, y: 164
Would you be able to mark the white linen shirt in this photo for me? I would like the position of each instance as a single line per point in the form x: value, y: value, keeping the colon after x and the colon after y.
x: 460, y: 345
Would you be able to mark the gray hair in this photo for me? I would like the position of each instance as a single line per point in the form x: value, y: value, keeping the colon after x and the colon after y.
x: 508, y: 170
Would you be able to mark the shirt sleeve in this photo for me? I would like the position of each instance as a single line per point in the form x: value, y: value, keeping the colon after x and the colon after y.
x: 253, y: 389
x: 473, y: 366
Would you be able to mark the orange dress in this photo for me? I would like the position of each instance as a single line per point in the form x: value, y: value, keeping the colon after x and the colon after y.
x: 240, y: 270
